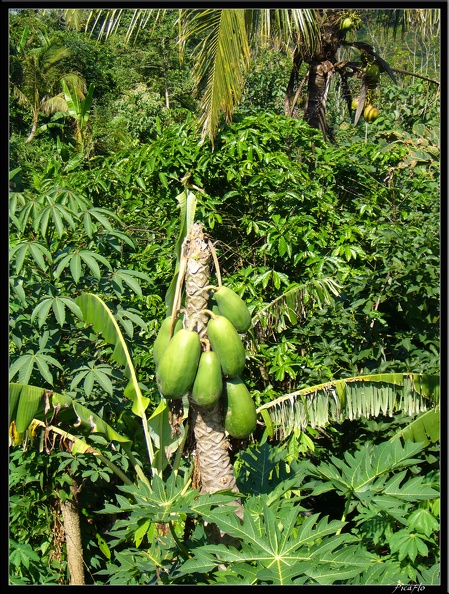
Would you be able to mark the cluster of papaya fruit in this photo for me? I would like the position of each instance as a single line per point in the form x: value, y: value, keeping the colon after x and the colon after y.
x: 209, y: 369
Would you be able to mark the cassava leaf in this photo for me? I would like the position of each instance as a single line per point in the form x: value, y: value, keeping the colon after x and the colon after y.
x: 96, y: 312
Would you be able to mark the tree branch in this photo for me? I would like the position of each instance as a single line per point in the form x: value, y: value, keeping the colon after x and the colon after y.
x: 416, y: 75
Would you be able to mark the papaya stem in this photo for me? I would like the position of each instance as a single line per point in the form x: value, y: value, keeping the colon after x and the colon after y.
x: 179, y: 284
x: 184, y: 551
x: 209, y: 313
x: 206, y: 343
x: 345, y: 513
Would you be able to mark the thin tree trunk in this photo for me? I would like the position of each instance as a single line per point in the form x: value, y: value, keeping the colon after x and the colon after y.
x: 33, y: 129
x: 71, y: 519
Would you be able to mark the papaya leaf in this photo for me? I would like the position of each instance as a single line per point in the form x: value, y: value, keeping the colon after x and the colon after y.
x: 96, y: 312
x: 364, y: 473
x: 280, y: 549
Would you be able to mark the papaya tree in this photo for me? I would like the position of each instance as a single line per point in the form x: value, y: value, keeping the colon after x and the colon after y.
x: 205, y: 318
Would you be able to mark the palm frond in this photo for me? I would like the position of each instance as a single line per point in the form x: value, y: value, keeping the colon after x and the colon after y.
x: 288, y: 28
x: 298, y: 27
x: 221, y: 59
x: 20, y: 96
x: 108, y: 19
x: 54, y: 104
x: 74, y: 18
x: 352, y: 398
x: 51, y: 54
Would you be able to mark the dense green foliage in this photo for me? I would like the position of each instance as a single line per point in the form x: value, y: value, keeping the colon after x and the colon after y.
x: 345, y: 234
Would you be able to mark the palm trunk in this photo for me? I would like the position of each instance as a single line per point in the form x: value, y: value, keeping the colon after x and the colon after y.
x: 318, y: 85
x: 214, y: 468
x: 34, y: 127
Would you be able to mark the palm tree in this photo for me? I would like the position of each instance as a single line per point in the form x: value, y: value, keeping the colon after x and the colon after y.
x: 229, y: 39
x: 41, y: 75
x: 314, y: 36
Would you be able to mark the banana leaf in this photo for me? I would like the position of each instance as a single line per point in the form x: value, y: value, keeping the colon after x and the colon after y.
x: 27, y: 403
x: 96, y: 312
x: 352, y: 398
x: 425, y: 428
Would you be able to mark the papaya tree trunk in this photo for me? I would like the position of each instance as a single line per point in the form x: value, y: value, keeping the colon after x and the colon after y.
x: 214, y: 470
x: 74, y: 547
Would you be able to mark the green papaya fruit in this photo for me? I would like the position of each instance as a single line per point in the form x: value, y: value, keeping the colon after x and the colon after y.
x: 241, y: 416
x: 162, y: 338
x: 226, y: 342
x: 208, y: 384
x: 179, y: 363
x: 231, y: 306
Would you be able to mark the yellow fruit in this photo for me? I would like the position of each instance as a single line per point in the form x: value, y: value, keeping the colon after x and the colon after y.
x: 346, y: 24
x: 370, y: 113
x: 354, y: 104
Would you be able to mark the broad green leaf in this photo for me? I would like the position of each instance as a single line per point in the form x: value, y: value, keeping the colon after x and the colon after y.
x: 425, y: 428
x: 407, y: 544
x: 24, y: 402
x: 97, y: 313
x: 20, y: 253
x: 37, y: 251
x: 90, y: 260
x: 75, y: 267
x: 72, y: 306
x: 87, y: 221
x: 430, y: 576
x: 24, y: 365
x: 422, y: 521
x: 127, y: 278
x: 44, y: 370
x: 355, y: 397
x: 28, y: 401
x: 59, y: 310
x: 412, y: 490
x: 64, y: 261
x: 41, y: 310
